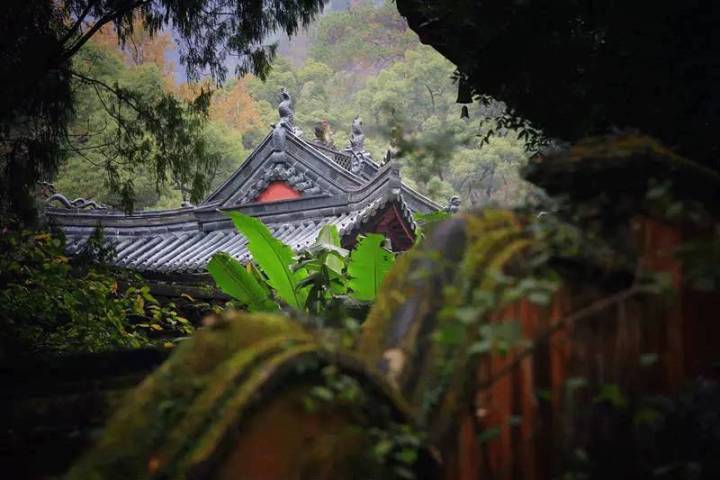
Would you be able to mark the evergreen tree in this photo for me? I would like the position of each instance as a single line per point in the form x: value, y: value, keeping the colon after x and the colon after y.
x: 40, y: 39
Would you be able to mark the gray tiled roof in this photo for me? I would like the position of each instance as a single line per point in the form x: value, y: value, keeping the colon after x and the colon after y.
x: 189, y: 251
x: 183, y: 240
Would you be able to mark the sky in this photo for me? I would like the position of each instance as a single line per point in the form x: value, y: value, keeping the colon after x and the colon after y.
x: 285, y: 45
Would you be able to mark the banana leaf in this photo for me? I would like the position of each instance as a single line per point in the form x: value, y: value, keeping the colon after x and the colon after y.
x: 234, y: 280
x: 369, y: 263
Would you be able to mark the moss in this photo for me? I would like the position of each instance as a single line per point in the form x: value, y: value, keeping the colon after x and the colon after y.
x: 183, y: 421
x: 394, y: 293
x: 613, y: 172
x: 432, y: 352
x: 619, y: 146
x: 151, y: 415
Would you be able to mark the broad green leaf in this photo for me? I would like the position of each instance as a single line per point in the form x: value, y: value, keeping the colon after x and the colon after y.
x: 424, y: 219
x: 369, y: 263
x: 273, y: 257
x: 329, y: 239
x: 329, y: 234
x: 233, y: 279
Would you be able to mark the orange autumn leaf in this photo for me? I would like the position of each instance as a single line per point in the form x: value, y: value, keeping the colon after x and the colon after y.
x: 235, y: 108
x: 140, y: 47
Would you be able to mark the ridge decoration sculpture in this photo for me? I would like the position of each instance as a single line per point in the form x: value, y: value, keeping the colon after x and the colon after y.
x: 286, y: 123
x: 79, y: 203
x: 453, y: 205
x: 323, y: 134
x: 284, y: 173
x: 287, y: 116
x: 357, y: 137
x: 356, y: 147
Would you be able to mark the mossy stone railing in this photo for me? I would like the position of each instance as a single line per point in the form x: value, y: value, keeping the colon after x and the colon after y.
x: 233, y: 403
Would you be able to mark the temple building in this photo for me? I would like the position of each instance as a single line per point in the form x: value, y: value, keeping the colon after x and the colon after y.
x: 293, y: 184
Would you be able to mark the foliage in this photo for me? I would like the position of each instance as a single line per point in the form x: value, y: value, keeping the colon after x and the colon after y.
x: 441, y: 153
x: 83, y: 175
x: 700, y: 259
x: 142, y: 67
x: 140, y: 47
x: 653, y: 436
x: 39, y: 42
x: 395, y: 446
x: 52, y: 304
x: 274, y: 259
x: 35, y: 107
x: 324, y: 263
x: 363, y: 39
x: 233, y: 106
x: 124, y: 119
x: 575, y: 71
x: 369, y: 263
x: 232, y: 277
x: 315, y: 281
x: 409, y: 104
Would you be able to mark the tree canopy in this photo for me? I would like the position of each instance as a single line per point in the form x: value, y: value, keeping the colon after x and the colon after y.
x: 41, y: 40
x: 579, y: 68
x: 135, y: 138
x: 412, y: 96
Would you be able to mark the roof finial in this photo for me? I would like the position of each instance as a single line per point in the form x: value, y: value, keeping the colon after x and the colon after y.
x: 357, y: 138
x: 453, y: 204
x: 323, y: 133
x: 287, y: 116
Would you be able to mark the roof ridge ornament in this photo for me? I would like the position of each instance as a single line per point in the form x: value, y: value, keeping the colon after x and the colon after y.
x: 78, y: 203
x: 287, y: 115
x: 356, y: 147
x: 453, y: 205
x: 324, y: 134
x: 357, y: 137
x: 286, y: 124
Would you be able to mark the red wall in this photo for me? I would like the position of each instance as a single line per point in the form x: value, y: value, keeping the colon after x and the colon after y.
x: 278, y: 191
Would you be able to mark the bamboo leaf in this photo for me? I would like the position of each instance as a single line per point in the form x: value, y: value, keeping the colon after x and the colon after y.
x: 273, y: 257
x: 369, y: 263
x: 233, y: 279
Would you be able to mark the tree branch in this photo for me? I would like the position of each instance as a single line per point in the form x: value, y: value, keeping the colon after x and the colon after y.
x: 78, y: 22
x: 114, y: 91
x: 104, y: 20
x: 432, y: 97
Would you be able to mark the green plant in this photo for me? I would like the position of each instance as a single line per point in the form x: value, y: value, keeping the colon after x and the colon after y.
x: 274, y: 259
x: 54, y: 305
x: 149, y: 315
x: 314, y: 281
x: 324, y: 263
x: 369, y: 263
x: 236, y: 281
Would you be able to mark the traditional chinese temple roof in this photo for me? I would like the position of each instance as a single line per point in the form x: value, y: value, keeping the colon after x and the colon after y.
x: 295, y: 186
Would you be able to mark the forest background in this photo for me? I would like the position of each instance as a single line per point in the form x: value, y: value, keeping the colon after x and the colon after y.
x: 358, y: 58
